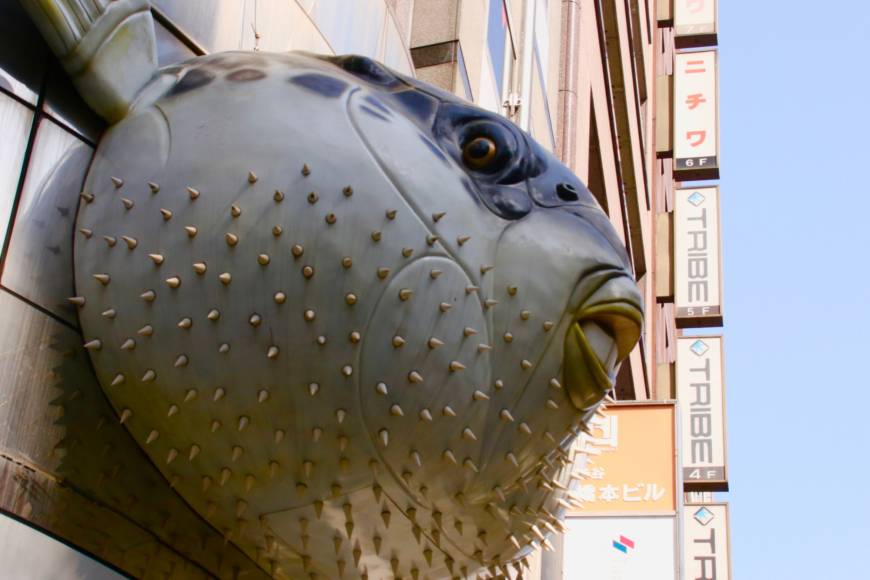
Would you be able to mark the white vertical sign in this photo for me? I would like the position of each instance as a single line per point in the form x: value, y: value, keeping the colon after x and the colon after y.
x: 696, y: 116
x: 701, y: 398
x: 621, y: 548
x: 695, y: 22
x: 697, y: 265
x: 706, y: 542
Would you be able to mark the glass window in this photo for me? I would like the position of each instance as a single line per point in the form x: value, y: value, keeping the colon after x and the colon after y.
x: 15, y: 122
x: 539, y: 86
x: 542, y: 39
x: 463, y: 73
x: 496, y: 39
x: 39, y: 259
x: 26, y: 552
x: 540, y: 124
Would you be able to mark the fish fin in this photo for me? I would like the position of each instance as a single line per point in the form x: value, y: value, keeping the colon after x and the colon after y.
x: 108, y: 48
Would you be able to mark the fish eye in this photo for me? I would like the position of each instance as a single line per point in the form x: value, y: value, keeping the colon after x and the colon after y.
x: 479, y: 152
x: 489, y: 148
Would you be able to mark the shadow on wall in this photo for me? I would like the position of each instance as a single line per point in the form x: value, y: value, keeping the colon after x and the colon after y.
x: 69, y: 466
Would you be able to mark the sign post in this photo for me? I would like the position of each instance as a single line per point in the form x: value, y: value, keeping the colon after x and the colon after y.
x: 697, y: 258
x: 696, y: 116
x: 695, y: 23
x: 630, y: 493
x: 706, y: 542
x: 701, y: 396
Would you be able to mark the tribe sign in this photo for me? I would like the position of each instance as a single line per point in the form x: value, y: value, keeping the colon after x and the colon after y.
x: 355, y: 321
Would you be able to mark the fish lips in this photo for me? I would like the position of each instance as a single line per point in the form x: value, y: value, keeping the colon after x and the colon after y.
x: 604, y: 330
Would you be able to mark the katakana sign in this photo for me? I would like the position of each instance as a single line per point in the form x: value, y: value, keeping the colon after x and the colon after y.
x: 697, y: 265
x: 628, y: 461
x: 696, y: 116
x: 701, y: 397
x: 695, y: 23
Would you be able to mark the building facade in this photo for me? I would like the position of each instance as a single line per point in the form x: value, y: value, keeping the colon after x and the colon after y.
x: 590, y: 80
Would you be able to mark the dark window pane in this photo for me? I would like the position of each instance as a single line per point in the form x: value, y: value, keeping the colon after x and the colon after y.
x: 23, y: 53
x: 62, y: 101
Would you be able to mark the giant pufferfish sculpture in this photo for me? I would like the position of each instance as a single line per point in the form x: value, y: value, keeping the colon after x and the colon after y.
x: 354, y: 320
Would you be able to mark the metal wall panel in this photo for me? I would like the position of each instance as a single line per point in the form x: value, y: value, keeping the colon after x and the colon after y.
x: 352, y: 27
x: 170, y: 49
x: 215, y: 24
x: 362, y: 27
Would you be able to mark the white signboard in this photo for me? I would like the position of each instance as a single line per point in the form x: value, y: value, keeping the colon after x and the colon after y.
x: 620, y: 548
x: 701, y: 399
x: 694, y: 23
x: 696, y: 116
x: 697, y: 270
x: 706, y: 549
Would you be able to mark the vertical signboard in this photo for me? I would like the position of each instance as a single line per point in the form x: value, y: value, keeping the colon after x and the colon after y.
x: 621, y: 548
x: 697, y: 265
x: 706, y: 542
x: 694, y: 23
x: 701, y: 399
x: 696, y: 116
x: 629, y: 462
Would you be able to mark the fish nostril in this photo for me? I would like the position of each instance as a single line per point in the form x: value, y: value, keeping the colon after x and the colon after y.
x: 567, y: 192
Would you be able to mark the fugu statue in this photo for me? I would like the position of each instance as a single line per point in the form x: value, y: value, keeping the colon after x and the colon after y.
x: 355, y: 321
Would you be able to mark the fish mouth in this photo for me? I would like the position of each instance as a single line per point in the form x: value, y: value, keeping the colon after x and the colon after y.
x: 603, y: 333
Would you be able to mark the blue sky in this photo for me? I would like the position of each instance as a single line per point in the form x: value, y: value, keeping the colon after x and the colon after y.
x: 796, y: 228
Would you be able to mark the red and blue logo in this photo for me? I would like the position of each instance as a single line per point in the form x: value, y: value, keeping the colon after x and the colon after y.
x: 623, y: 544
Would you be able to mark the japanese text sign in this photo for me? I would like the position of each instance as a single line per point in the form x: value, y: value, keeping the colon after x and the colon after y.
x: 629, y: 464
x: 695, y: 22
x: 697, y: 265
x: 701, y: 399
x: 706, y: 550
x: 696, y: 116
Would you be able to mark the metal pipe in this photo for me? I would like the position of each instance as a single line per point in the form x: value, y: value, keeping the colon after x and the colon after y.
x: 552, y: 563
x: 527, y: 63
x: 569, y: 74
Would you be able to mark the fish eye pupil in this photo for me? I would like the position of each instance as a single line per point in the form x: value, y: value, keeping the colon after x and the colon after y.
x: 479, y: 148
x: 479, y: 151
